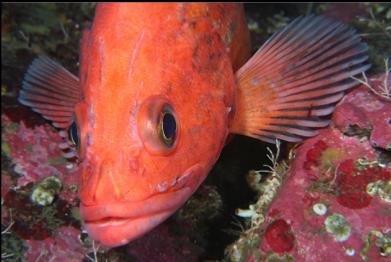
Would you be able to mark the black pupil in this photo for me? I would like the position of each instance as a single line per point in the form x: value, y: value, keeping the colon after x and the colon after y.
x: 169, y: 125
x: 73, y: 135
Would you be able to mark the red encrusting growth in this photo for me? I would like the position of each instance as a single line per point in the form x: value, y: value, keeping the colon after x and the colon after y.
x: 352, y: 184
x: 279, y: 236
x: 313, y: 155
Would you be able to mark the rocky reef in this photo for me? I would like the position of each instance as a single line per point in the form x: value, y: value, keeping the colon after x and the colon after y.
x: 334, y: 200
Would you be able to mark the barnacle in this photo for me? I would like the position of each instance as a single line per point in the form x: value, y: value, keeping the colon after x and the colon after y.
x: 350, y: 251
x: 320, y: 209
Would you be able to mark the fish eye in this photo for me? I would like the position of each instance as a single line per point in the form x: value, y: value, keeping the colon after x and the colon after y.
x: 167, y: 126
x: 158, y: 126
x: 73, y: 134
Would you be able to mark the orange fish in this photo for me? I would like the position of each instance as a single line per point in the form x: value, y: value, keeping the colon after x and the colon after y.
x: 162, y: 85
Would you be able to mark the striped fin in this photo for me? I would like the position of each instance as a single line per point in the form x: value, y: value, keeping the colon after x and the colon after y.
x: 296, y: 78
x: 51, y: 90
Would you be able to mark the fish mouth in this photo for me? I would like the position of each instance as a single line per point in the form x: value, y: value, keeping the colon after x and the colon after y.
x: 118, y: 223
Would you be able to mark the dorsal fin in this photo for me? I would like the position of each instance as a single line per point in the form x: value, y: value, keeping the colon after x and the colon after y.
x: 296, y: 77
x: 51, y: 90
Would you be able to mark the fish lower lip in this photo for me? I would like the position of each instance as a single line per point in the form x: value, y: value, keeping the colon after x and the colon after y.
x: 116, y: 221
x: 112, y: 232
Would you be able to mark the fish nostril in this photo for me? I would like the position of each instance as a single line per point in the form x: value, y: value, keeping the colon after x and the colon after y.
x: 109, y: 176
x: 135, y: 167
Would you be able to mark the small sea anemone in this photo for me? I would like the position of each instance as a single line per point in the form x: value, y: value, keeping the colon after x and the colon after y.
x: 46, y: 190
x: 337, y: 225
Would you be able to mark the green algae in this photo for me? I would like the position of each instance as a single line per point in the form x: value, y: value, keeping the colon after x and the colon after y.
x: 57, y: 161
x: 5, y: 149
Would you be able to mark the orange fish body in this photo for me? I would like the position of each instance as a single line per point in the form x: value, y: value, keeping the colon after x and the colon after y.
x: 160, y: 90
x: 131, y: 67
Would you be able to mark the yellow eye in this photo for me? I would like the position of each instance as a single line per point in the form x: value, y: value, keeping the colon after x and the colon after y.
x: 73, y: 134
x: 158, y: 126
x: 167, y: 126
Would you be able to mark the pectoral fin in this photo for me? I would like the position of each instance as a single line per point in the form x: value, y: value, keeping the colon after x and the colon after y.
x: 296, y: 78
x: 51, y: 90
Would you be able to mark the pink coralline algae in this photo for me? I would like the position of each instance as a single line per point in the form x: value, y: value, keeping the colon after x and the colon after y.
x: 36, y: 154
x: 335, y: 201
x: 65, y: 245
x: 367, y: 112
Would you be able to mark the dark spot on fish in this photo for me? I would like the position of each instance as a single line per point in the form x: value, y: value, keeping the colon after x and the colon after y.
x: 179, y: 33
x: 389, y: 121
x: 91, y: 115
x: 181, y: 13
x: 101, y: 58
x: 84, y: 77
x: 195, y: 54
x: 193, y: 24
x: 310, y: 111
x: 89, y: 140
x: 255, y: 81
x: 83, y: 98
x: 208, y: 40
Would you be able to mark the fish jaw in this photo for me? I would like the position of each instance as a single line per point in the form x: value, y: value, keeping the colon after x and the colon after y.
x: 117, y: 223
x: 139, y: 217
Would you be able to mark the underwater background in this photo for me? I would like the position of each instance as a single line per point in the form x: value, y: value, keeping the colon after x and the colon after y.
x: 239, y: 213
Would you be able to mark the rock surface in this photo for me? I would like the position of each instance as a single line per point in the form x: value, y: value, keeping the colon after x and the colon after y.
x: 336, y: 200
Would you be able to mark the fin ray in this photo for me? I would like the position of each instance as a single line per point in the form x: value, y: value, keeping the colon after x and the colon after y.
x: 302, y: 71
x: 51, y: 90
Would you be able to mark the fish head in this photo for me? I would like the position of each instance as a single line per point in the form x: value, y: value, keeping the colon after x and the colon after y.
x: 153, y: 119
